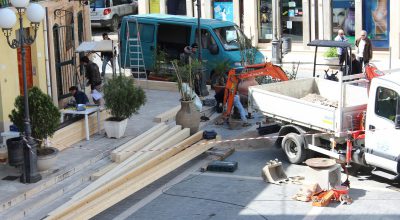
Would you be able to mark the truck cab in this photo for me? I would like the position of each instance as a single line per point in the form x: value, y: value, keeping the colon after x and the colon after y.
x: 382, y: 130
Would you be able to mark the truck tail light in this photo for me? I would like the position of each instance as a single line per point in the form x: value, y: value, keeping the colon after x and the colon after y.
x: 107, y: 11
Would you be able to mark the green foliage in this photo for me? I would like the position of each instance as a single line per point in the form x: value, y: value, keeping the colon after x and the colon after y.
x: 122, y: 97
x: 331, y: 52
x: 160, y: 59
x: 247, y: 51
x: 186, y: 74
x: 44, y: 116
x: 220, y: 70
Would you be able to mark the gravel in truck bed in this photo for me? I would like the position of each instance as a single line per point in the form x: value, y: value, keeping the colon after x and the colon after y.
x: 318, y: 99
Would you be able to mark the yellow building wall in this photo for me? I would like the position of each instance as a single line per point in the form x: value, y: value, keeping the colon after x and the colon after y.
x: 9, y: 78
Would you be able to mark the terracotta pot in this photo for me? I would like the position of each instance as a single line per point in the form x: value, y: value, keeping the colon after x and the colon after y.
x: 188, y: 116
x: 243, y: 87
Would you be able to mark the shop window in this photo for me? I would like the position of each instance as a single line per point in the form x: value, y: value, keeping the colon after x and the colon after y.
x: 265, y: 21
x: 176, y: 7
x: 376, y: 22
x: 343, y: 19
x: 292, y: 19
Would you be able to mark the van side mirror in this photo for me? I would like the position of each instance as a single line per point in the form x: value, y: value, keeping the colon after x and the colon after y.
x: 213, y: 48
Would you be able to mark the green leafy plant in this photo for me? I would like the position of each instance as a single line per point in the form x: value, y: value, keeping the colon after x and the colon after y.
x: 331, y: 52
x: 122, y: 97
x: 219, y: 76
x: 161, y: 58
x: 186, y: 75
x: 246, y: 49
x: 43, y: 114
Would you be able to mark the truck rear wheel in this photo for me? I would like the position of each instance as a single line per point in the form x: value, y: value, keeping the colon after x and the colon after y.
x: 293, y: 145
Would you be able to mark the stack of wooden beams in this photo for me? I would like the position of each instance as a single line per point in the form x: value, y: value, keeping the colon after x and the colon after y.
x: 136, y: 164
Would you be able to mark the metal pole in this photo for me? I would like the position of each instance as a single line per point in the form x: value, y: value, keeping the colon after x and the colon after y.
x: 199, y: 29
x: 30, y: 174
x: 276, y: 42
x: 202, y: 87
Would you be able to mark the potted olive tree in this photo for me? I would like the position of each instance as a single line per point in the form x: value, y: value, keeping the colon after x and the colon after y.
x: 122, y: 99
x: 45, y: 120
x: 188, y: 116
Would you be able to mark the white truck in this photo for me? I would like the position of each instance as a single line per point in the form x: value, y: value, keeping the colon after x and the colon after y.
x: 322, y: 115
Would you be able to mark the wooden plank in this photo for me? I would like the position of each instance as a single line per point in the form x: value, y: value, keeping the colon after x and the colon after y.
x: 128, y: 149
x: 130, y: 183
x: 71, y: 134
x: 147, y: 164
x: 168, y: 115
x: 168, y: 138
x: 102, y: 171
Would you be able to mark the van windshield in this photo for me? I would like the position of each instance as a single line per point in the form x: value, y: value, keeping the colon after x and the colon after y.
x: 229, y: 37
x: 98, y: 4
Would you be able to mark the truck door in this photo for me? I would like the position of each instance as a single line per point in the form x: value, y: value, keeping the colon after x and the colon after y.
x: 148, y: 41
x: 382, y: 146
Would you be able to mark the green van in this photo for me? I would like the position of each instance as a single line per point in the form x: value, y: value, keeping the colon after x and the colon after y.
x: 171, y: 33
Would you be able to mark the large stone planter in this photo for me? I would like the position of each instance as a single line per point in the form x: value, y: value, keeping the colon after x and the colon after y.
x: 46, y: 158
x: 115, y: 129
x: 332, y: 62
x: 188, y: 116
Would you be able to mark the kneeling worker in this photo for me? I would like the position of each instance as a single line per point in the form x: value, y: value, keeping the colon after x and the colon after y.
x: 80, y: 97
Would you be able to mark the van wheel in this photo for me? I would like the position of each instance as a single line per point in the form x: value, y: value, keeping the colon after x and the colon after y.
x: 293, y: 145
x: 114, y: 24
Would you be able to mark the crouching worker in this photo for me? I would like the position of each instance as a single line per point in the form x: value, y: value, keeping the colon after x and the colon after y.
x: 80, y: 97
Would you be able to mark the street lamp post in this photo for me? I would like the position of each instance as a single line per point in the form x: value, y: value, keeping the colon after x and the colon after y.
x: 35, y: 14
x: 276, y: 41
x: 202, y: 87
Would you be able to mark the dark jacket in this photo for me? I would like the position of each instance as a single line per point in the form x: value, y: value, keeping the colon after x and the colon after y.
x: 367, y: 54
x: 93, y: 74
x: 106, y: 54
x: 81, y: 98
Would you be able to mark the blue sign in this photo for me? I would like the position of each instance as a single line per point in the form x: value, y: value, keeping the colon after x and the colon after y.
x: 376, y: 22
x: 223, y: 10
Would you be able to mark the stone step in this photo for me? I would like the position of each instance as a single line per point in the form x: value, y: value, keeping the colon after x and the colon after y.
x: 56, y: 178
x: 36, y: 204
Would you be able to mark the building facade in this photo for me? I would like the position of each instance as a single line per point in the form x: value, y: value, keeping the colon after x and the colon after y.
x: 301, y: 20
x: 51, y: 62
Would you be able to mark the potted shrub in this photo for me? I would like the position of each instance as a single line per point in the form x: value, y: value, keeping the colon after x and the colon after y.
x: 188, y: 116
x: 219, y: 75
x: 122, y: 99
x: 45, y: 120
x: 331, y: 58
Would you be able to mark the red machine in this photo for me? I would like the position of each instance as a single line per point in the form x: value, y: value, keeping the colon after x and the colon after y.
x: 234, y: 75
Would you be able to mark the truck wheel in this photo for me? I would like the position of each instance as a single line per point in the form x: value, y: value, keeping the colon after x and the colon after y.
x: 114, y: 24
x: 293, y: 145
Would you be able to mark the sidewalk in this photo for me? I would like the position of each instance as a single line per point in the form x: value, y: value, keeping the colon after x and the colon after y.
x: 76, y: 164
x: 306, y: 59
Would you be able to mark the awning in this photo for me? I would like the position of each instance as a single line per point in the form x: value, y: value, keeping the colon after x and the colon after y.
x: 95, y: 46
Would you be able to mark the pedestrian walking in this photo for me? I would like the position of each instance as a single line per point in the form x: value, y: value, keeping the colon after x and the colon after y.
x: 363, y: 48
x: 341, y: 52
x: 106, y: 57
x: 92, y: 74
